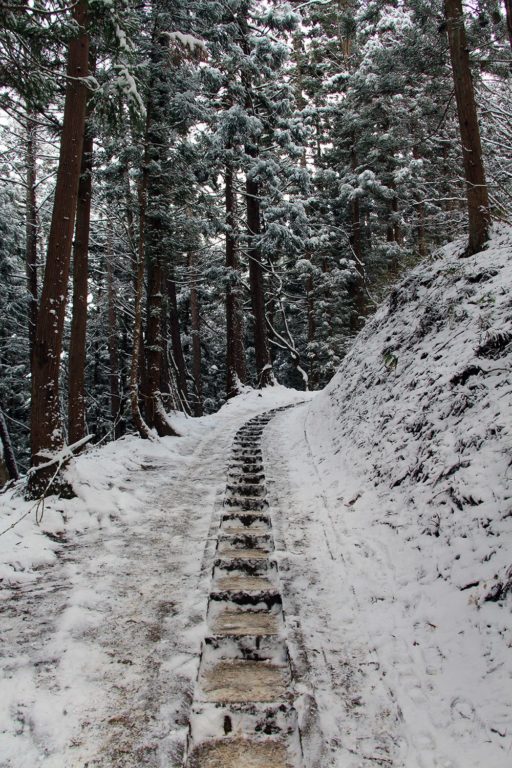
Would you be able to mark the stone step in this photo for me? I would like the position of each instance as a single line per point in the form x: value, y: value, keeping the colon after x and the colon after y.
x: 263, y: 600
x: 246, y: 503
x: 269, y: 648
x: 247, y: 453
x: 230, y: 528
x: 254, y: 490
x: 241, y: 537
x: 233, y: 623
x: 245, y: 457
x: 241, y: 469
x: 230, y: 553
x: 245, y: 517
x: 241, y: 583
x: 250, y: 462
x: 247, y: 540
x: 240, y: 753
x: 237, y: 680
x: 236, y: 477
x: 245, y: 719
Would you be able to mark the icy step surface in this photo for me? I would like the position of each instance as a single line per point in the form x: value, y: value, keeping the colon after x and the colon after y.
x: 237, y: 681
x: 244, y: 583
x: 232, y: 623
x: 246, y: 516
x: 246, y: 503
x: 257, y: 529
x: 240, y: 753
x: 230, y: 553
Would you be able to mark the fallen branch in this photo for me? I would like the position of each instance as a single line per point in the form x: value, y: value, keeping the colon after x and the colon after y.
x: 65, y: 454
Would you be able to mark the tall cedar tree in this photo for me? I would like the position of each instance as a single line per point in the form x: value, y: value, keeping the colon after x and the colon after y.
x: 31, y: 230
x: 47, y: 435
x: 155, y: 226
x: 235, y: 352
x: 77, y: 345
x: 264, y: 372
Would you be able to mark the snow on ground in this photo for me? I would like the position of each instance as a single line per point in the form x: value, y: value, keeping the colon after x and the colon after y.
x: 103, y: 603
x: 394, y: 487
x: 391, y: 497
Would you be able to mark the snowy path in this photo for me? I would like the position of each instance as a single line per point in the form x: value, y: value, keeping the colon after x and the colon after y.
x: 385, y: 671
x: 118, y: 652
x: 349, y: 717
x: 100, y: 652
x: 243, y: 713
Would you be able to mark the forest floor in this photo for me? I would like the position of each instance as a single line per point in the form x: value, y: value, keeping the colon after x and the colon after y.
x: 389, y: 496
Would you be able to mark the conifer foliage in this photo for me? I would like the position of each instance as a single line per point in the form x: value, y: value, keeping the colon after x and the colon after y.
x: 212, y: 195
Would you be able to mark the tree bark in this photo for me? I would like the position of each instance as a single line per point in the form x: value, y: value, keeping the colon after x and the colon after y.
x: 31, y: 233
x: 196, y: 337
x: 46, y: 434
x: 312, y: 359
x: 137, y: 257
x: 235, y: 352
x: 77, y: 426
x: 8, y: 451
x: 113, y: 346
x: 155, y: 414
x: 359, y: 297
x: 135, y: 365
x: 156, y: 229
x: 177, y: 348
x: 508, y: 9
x: 477, y: 196
x: 264, y: 371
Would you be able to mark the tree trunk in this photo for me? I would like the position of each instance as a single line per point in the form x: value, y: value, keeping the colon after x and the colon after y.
x: 177, y: 348
x: 508, y: 9
x: 97, y: 387
x: 138, y: 421
x: 310, y: 298
x: 156, y: 153
x: 46, y: 434
x: 8, y: 452
x: 235, y: 352
x: 31, y: 233
x: 420, y: 231
x: 359, y: 297
x: 477, y: 196
x: 196, y: 337
x: 155, y: 413
x: 77, y: 426
x: 264, y: 371
x: 113, y: 347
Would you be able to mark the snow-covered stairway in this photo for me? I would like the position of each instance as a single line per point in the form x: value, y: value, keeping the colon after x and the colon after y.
x: 243, y: 714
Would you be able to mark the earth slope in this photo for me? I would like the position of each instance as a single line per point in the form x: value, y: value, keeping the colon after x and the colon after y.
x: 412, y: 440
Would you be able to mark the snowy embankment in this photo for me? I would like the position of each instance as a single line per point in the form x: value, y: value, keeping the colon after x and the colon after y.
x: 409, y: 542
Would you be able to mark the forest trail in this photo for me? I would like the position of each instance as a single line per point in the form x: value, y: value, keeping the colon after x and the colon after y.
x: 100, y: 651
x: 243, y: 713
x: 219, y: 600
x: 197, y: 625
